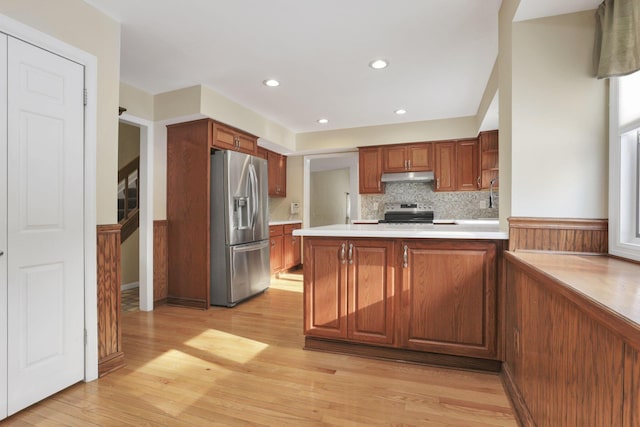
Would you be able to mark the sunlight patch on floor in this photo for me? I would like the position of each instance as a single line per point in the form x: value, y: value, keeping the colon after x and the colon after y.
x: 228, y: 346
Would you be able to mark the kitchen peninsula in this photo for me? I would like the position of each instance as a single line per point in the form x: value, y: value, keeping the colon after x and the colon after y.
x: 425, y: 293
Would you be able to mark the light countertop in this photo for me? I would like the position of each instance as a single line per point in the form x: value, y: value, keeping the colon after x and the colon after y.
x: 464, y: 229
x: 292, y: 221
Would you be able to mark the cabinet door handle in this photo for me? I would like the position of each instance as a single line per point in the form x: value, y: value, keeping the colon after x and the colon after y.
x: 478, y: 180
x: 437, y: 183
x: 342, y: 259
x: 350, y: 253
x: 273, y: 243
x: 1, y: 253
x: 408, y: 164
x: 405, y: 257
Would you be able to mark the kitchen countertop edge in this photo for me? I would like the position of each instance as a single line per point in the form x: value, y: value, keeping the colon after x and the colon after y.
x: 418, y: 231
x: 285, y: 222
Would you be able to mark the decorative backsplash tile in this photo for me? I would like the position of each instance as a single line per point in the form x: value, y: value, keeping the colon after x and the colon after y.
x: 449, y: 205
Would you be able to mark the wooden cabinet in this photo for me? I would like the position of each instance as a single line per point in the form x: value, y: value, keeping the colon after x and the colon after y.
x: 445, y: 166
x: 449, y: 297
x: 276, y: 239
x: 262, y: 152
x: 370, y: 170
x: 285, y: 247
x: 456, y: 165
x: 407, y: 158
x: 291, y: 250
x: 188, y: 184
x: 277, y: 164
x: 349, y: 289
x: 467, y: 176
x: 228, y: 138
x: 488, y: 158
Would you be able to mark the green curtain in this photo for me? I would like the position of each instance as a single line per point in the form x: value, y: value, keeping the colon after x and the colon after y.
x: 617, y: 43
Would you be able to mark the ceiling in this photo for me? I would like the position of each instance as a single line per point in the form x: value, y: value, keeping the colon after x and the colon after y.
x: 440, y: 53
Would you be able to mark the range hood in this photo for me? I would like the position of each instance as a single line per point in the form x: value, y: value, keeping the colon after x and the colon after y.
x: 408, y: 177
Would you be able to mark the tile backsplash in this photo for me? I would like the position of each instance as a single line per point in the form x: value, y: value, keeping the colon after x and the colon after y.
x: 449, y: 205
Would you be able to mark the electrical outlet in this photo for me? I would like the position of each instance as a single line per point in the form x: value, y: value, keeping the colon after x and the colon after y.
x: 483, y: 204
x: 375, y: 206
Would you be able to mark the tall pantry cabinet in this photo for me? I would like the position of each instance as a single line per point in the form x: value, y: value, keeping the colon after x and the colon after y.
x: 189, y: 146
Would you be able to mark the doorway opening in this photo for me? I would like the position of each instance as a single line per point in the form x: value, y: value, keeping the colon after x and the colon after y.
x: 137, y: 251
x: 331, y: 189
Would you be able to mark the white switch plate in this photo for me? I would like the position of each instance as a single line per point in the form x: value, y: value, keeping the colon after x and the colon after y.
x: 483, y: 204
x: 375, y: 206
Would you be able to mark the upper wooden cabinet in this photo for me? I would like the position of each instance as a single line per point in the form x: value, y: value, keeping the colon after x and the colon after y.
x: 370, y: 170
x: 261, y: 152
x: 445, y: 166
x: 407, y: 158
x: 456, y: 165
x: 228, y: 138
x: 467, y: 176
x: 489, y: 159
x: 277, y: 164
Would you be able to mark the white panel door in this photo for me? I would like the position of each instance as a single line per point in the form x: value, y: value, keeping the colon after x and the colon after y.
x: 45, y: 248
x: 3, y: 226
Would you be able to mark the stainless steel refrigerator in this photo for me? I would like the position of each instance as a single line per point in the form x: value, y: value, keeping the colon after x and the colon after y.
x: 239, y: 227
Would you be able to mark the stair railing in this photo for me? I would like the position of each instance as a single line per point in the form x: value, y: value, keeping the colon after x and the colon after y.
x: 128, y: 187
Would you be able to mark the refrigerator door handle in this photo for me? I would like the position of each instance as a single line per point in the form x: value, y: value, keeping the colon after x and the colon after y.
x: 254, y: 196
x: 251, y: 246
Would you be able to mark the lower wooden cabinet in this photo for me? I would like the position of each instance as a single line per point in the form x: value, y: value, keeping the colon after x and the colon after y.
x: 285, y: 247
x: 349, y: 289
x: 436, y: 296
x: 276, y: 240
x: 449, y: 297
x: 291, y: 254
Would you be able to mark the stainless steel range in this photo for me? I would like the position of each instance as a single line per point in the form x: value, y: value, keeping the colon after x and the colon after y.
x: 407, y: 213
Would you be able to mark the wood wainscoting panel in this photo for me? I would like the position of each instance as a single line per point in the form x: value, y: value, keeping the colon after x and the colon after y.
x: 110, y: 355
x: 631, y: 406
x: 160, y: 262
x: 559, y: 234
x: 561, y: 366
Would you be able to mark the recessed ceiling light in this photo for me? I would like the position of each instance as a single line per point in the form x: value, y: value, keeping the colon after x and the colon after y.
x: 400, y: 111
x: 378, y: 64
x: 271, y: 83
x: 323, y: 121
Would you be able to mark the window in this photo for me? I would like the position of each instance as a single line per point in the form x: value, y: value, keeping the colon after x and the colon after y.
x: 624, y: 167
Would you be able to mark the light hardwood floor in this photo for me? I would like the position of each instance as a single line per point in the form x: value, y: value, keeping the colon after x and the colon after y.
x: 246, y: 366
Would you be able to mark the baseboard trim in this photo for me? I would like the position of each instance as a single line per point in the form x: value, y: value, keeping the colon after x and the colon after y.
x: 187, y: 302
x: 127, y: 286
x: 112, y: 363
x: 523, y: 416
x: 401, y: 355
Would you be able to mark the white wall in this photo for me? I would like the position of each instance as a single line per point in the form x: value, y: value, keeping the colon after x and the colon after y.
x: 328, y: 202
x: 433, y: 130
x: 128, y: 144
x: 505, y: 73
x: 279, y: 207
x: 78, y: 24
x: 137, y: 102
x: 559, y: 121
